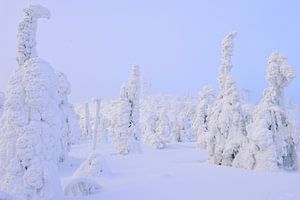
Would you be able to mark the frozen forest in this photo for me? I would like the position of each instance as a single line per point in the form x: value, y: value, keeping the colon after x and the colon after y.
x: 210, y: 145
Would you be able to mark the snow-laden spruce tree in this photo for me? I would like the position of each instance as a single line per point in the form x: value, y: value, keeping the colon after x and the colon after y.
x: 200, y: 123
x: 157, y: 131
x: 226, y: 124
x: 121, y: 138
x: 163, y: 127
x: 97, y: 103
x: 133, y: 89
x: 272, y: 135
x: 70, y: 129
x: 86, y: 126
x: 30, y: 124
x: 1, y: 102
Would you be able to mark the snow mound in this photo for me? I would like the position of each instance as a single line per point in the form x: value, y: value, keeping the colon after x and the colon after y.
x: 84, y: 181
x: 81, y: 186
x: 94, y: 166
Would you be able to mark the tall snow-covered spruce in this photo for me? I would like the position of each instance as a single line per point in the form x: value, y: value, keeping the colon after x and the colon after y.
x: 30, y: 125
x: 272, y: 135
x: 226, y: 124
x: 70, y: 129
x: 134, y: 100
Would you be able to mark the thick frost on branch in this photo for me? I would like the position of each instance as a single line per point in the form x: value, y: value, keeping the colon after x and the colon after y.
x: 26, y: 46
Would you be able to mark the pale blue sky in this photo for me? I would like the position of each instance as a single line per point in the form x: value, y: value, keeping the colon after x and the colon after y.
x: 176, y: 43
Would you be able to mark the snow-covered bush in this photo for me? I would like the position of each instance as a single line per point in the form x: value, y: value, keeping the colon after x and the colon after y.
x: 226, y: 123
x: 200, y: 124
x: 94, y: 166
x: 85, y: 179
x: 82, y: 186
x: 272, y: 135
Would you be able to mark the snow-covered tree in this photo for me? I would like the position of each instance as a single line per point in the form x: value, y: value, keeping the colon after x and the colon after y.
x: 226, y: 124
x: 30, y: 125
x: 184, y: 125
x: 70, y: 129
x: 163, y: 127
x: 200, y: 124
x: 156, y: 123
x: 121, y: 138
x: 86, y: 126
x: 26, y: 45
x: 103, y: 127
x: 96, y: 122
x: 272, y: 135
x: 134, y: 100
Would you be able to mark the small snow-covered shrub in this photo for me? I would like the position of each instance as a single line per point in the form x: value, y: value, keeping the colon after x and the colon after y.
x: 81, y: 186
x: 85, y: 179
x: 94, y: 166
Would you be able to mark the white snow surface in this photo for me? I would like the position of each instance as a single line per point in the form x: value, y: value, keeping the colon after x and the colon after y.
x: 180, y: 171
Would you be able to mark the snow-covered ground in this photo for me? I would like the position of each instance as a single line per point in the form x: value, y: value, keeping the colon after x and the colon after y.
x: 180, y: 171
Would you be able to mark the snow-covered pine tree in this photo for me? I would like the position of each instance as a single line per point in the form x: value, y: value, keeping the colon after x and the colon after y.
x: 272, y: 135
x: 103, y: 129
x: 157, y: 131
x: 87, y: 131
x: 30, y: 137
x: 226, y: 124
x: 134, y: 100
x: 97, y: 103
x: 70, y: 129
x: 163, y: 127
x: 200, y: 123
x: 121, y: 139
